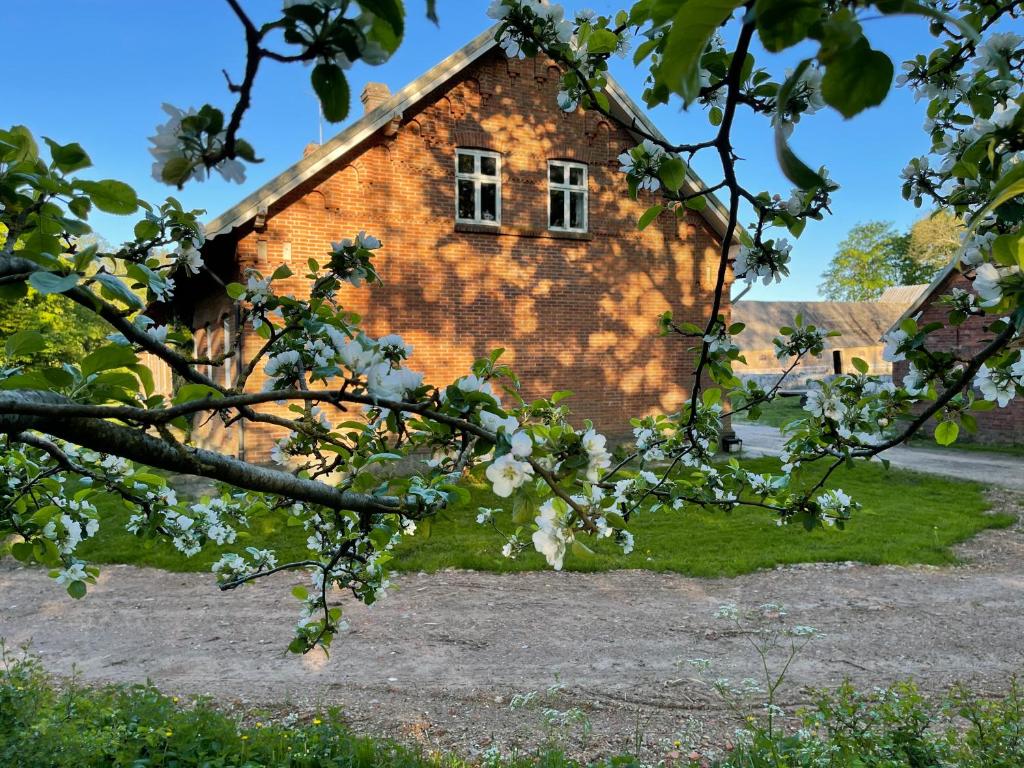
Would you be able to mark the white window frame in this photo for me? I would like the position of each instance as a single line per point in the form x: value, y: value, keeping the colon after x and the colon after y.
x: 477, y: 178
x: 227, y: 351
x: 566, y: 188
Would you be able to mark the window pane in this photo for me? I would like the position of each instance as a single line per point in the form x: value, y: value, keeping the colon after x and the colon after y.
x: 489, y: 202
x: 465, y: 163
x: 577, y: 212
x: 557, y: 216
x: 467, y: 202
x: 576, y: 176
x: 557, y: 173
x: 489, y: 166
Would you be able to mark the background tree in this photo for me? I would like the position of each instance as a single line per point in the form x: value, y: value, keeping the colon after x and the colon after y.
x: 866, y: 263
x: 69, y: 332
x: 933, y: 243
x: 875, y: 256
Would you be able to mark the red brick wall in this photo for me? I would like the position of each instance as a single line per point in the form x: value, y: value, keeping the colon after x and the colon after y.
x: 1000, y: 425
x: 572, y: 312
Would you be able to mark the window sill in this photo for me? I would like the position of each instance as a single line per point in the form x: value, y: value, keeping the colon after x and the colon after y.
x: 480, y: 229
x: 506, y: 231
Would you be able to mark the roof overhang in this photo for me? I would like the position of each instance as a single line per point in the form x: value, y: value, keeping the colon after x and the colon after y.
x: 926, y: 295
x: 365, y: 127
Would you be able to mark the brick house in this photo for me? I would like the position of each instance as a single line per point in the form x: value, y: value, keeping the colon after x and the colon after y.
x: 504, y: 223
x: 1000, y: 425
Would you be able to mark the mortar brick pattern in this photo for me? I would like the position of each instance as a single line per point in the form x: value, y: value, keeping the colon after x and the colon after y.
x: 1000, y: 425
x: 572, y: 312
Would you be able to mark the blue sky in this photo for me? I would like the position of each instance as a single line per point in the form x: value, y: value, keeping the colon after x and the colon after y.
x: 111, y: 63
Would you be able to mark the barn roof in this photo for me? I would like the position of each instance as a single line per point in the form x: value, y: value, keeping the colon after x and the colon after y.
x: 862, y: 323
x: 902, y: 294
x: 405, y: 99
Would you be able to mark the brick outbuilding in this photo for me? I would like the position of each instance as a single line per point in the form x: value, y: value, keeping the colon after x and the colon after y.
x: 998, y: 426
x: 504, y: 223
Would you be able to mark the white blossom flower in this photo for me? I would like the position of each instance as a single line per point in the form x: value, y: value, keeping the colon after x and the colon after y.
x: 996, y: 385
x: 522, y: 444
x: 495, y: 423
x: 190, y: 258
x: 916, y: 381
x: 387, y: 383
x: 893, y: 341
x: 74, y: 572
x: 507, y: 473
x: 987, y: 282
x: 257, y: 290
x: 551, y: 536
x: 282, y: 362
x: 826, y: 405
x: 485, y: 515
x: 598, y: 456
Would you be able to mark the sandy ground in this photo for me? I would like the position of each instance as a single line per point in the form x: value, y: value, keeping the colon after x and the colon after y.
x: 438, y: 661
x: 999, y: 468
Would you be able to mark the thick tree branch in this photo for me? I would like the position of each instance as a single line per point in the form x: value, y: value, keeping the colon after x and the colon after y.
x: 107, y: 437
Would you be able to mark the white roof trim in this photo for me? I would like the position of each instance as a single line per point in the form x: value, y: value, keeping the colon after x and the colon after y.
x: 363, y: 128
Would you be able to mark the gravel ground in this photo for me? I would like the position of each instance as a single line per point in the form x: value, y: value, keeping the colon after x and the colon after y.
x: 439, y: 659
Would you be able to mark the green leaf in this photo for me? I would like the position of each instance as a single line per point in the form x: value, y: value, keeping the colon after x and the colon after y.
x: 177, y: 170
x: 649, y: 215
x: 107, y: 358
x: 77, y: 589
x: 68, y: 157
x: 602, y: 41
x: 332, y: 89
x: 695, y: 22
x: 48, y: 282
x: 111, y: 196
x: 187, y: 393
x: 857, y: 77
x: 946, y: 433
x: 698, y: 203
x: 24, y: 343
x: 1009, y: 186
x: 782, y: 23
x: 392, y: 12
x: 860, y: 365
x: 281, y: 273
x: 672, y: 173
x: 112, y: 288
x: 792, y: 166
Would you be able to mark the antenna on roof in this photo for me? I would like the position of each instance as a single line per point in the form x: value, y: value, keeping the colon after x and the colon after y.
x: 320, y: 120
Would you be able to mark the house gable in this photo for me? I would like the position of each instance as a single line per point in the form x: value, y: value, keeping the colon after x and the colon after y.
x: 259, y: 203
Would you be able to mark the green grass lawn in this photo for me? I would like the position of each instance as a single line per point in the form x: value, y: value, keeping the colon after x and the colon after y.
x: 778, y: 412
x: 907, y: 518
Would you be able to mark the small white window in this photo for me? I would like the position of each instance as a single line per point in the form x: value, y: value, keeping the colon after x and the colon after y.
x: 477, y: 186
x: 227, y: 351
x: 567, y: 196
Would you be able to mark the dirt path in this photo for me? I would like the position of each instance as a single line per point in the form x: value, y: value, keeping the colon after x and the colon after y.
x: 439, y: 659
x: 999, y: 468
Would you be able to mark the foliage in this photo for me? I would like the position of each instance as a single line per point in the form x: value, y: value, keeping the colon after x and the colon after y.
x: 868, y: 261
x: 907, y: 518
x: 874, y: 256
x: 81, y: 439
x: 43, y: 726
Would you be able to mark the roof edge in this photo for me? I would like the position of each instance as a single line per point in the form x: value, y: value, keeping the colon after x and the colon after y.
x: 927, y: 294
x: 348, y: 138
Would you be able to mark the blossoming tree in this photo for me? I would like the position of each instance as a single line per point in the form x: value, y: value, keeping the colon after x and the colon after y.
x: 82, y: 440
